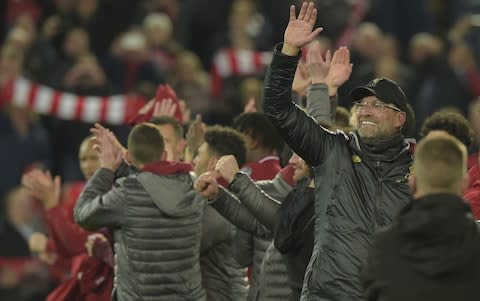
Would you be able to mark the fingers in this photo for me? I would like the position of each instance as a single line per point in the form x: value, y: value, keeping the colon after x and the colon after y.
x: 147, y: 107
x: 315, y: 33
x: 292, y: 13
x: 303, y: 11
x: 328, y: 57
x: 311, y: 13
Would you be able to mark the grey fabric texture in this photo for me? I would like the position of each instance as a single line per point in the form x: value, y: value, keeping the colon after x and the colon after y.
x: 156, y: 222
x: 269, y: 273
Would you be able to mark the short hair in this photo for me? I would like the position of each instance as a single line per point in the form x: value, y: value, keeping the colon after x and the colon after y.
x: 452, y: 123
x: 145, y: 144
x: 167, y: 120
x: 440, y: 163
x: 258, y: 126
x: 224, y: 141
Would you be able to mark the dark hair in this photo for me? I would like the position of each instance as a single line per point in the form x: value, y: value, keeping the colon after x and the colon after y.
x: 453, y: 123
x: 258, y: 126
x: 167, y: 120
x: 145, y: 144
x: 226, y: 141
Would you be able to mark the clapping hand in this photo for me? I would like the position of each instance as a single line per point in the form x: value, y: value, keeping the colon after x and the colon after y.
x: 41, y: 185
x: 340, y: 70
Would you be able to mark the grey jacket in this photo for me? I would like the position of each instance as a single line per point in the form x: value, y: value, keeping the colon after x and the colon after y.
x: 222, y: 277
x: 269, y: 274
x: 360, y: 189
x: 156, y: 221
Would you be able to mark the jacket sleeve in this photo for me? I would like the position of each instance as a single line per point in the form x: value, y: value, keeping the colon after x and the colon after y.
x: 235, y: 212
x: 99, y: 205
x: 319, y: 104
x: 262, y: 206
x: 215, y: 229
x: 301, y: 132
x: 243, y: 248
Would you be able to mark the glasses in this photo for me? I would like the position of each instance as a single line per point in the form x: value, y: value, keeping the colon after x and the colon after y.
x: 376, y: 105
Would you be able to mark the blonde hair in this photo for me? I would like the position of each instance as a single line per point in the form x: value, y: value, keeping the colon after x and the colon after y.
x: 440, y: 163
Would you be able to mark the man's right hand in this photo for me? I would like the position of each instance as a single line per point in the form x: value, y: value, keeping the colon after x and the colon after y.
x: 227, y: 167
x: 207, y: 185
x: 299, y: 30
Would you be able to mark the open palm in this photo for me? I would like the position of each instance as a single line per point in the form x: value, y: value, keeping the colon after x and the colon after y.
x: 299, y: 30
x: 340, y: 68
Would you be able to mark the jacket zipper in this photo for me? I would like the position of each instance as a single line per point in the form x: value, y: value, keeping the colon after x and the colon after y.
x: 378, y: 169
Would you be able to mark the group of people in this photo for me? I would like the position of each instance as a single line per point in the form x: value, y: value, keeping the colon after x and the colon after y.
x: 358, y: 212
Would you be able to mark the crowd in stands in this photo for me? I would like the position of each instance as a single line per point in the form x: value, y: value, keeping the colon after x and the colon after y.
x: 238, y: 150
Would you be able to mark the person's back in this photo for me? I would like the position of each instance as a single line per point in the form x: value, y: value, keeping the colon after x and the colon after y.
x: 156, y: 218
x: 430, y: 252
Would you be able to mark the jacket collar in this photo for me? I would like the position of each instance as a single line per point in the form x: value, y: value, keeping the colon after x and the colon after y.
x: 163, y: 168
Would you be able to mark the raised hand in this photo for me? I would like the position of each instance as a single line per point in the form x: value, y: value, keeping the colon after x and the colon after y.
x: 109, y: 155
x: 147, y: 107
x: 299, y: 29
x: 317, y: 66
x: 166, y: 107
x: 195, y: 135
x: 340, y: 69
x: 301, y: 80
x: 227, y: 167
x: 43, y: 186
x: 99, y: 130
x: 207, y: 186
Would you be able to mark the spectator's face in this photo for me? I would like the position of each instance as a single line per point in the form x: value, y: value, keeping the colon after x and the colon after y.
x: 173, y: 144
x: 76, y: 43
x: 204, y: 160
x: 88, y: 158
x: 375, y: 122
x: 301, y: 170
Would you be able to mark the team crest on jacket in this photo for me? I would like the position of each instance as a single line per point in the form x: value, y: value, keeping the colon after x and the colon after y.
x: 356, y: 159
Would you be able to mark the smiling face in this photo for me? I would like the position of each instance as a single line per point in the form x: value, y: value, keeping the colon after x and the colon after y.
x: 377, y: 122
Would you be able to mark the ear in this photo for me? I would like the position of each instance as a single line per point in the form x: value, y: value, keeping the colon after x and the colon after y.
x: 412, y: 184
x: 401, y: 119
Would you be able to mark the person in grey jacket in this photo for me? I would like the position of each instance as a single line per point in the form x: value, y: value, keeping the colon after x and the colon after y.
x: 155, y: 216
x: 360, y: 177
x: 222, y: 277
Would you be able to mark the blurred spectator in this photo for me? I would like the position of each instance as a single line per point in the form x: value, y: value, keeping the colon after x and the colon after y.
x: 199, y: 25
x: 128, y: 65
x: 435, y: 83
x: 24, y: 143
x: 158, y: 30
x: 403, y: 19
x: 22, y: 278
x: 192, y: 83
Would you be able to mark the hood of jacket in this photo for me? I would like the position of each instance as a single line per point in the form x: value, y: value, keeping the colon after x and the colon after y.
x: 437, y: 234
x: 170, y: 186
